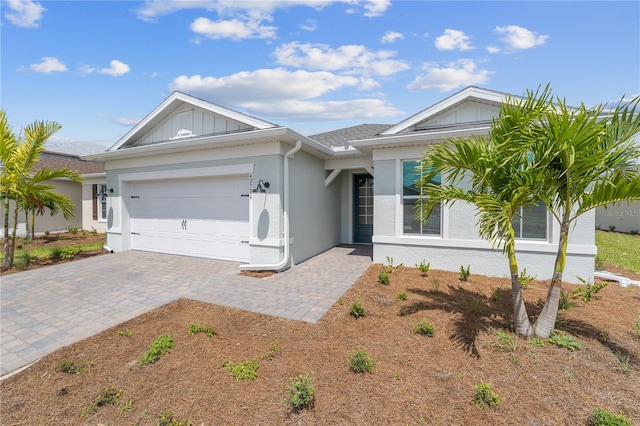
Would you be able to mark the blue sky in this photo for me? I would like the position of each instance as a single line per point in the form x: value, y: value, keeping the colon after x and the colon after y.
x: 97, y: 67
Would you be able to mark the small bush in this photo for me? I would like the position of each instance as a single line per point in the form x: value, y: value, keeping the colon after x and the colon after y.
x: 424, y: 328
x: 634, y: 232
x: 383, y: 278
x: 612, y: 228
x: 159, y: 347
x: 73, y: 230
x: 301, y: 392
x: 166, y: 419
x: 360, y: 361
x: 589, y: 290
x: 600, y: 417
x: 195, y: 329
x: 505, y: 341
x: 68, y: 252
x: 390, y: 267
x: 599, y: 263
x: 525, y: 279
x: 401, y: 296
x: 69, y: 367
x: 125, y: 333
x: 93, y: 231
x: 497, y: 294
x: 423, y: 268
x: 565, y: 302
x: 356, y: 310
x: 106, y: 396
x: 536, y: 342
x: 245, y: 370
x: 564, y: 340
x: 486, y: 396
x: 465, y: 272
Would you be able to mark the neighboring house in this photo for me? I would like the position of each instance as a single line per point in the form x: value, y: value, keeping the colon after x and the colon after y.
x: 197, y: 179
x: 621, y: 217
x: 87, y: 207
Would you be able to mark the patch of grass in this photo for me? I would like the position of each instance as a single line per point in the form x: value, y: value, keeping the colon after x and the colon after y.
x: 107, y: 395
x: 401, y: 296
x: 356, y: 310
x: 423, y: 268
x: 497, y: 294
x: 271, y: 353
x: 196, y: 328
x: 536, y: 342
x: 475, y: 306
x: 383, y: 278
x: 624, y: 362
x: 622, y: 250
x: 507, y: 342
x: 565, y: 301
x: 301, y: 392
x: 424, y: 328
x: 125, y: 333
x: 600, y: 417
x: 360, y: 361
x: 486, y: 396
x: 465, y: 272
x: 70, y: 367
x: 50, y: 252
x: 158, y: 348
x: 245, y: 370
x: 435, y: 284
x: 564, y: 340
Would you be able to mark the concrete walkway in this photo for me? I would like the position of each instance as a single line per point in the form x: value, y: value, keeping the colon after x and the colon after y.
x: 48, y: 308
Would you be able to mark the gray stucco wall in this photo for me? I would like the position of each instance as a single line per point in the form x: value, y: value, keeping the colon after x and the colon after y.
x: 315, y: 210
x: 460, y: 243
x: 624, y: 216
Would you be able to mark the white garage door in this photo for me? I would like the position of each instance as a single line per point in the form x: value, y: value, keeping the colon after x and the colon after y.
x: 202, y: 217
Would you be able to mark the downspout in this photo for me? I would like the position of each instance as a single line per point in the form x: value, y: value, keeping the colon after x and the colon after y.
x: 285, y: 219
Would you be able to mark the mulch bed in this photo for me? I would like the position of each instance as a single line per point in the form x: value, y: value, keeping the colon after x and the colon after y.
x: 416, y: 379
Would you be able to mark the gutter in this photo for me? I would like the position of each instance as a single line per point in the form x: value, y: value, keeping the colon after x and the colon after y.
x: 287, y: 249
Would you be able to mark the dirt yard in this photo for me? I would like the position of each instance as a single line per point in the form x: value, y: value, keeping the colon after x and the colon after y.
x: 416, y: 379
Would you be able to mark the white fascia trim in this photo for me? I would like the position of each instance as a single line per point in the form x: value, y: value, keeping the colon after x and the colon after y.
x: 199, y: 142
x: 348, y: 163
x: 521, y: 245
x: 94, y: 175
x: 183, y: 97
x: 239, y: 169
x: 468, y: 93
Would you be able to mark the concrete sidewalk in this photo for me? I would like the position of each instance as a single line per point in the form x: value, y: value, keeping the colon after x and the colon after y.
x: 48, y: 308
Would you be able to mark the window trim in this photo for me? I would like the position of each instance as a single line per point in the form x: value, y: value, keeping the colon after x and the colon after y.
x: 102, y: 187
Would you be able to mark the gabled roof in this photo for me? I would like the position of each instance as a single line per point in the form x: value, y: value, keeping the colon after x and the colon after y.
x: 56, y: 160
x: 174, y: 103
x: 469, y: 93
x: 341, y: 137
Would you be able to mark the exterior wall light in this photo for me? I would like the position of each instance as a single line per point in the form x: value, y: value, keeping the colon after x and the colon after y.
x: 104, y: 192
x: 262, y: 186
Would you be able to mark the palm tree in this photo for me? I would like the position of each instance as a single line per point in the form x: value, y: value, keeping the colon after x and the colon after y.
x: 585, y: 158
x: 500, y: 185
x: 20, y: 184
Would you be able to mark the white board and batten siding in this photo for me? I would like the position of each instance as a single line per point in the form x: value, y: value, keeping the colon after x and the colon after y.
x: 467, y: 112
x: 196, y: 120
x: 202, y: 217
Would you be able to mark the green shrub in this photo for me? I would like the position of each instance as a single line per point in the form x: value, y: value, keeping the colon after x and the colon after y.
x: 69, y: 367
x: 486, y: 396
x: 563, y: 340
x: 244, y: 370
x: 301, y: 391
x: 497, y: 294
x: 423, y: 268
x: 106, y: 396
x: 383, y: 278
x: 93, y: 231
x: 73, y: 230
x: 166, y: 419
x: 360, y: 361
x: 507, y: 342
x: 600, y: 417
x: 424, y: 328
x: 565, y: 301
x: 390, y: 267
x: 525, y: 279
x: 68, y: 252
x: 465, y: 272
x: 195, y: 329
x: 401, y: 296
x: 159, y: 347
x: 356, y: 310
x: 589, y: 290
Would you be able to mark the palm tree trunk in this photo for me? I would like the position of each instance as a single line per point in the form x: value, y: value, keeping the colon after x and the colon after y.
x: 33, y: 224
x: 12, y: 246
x: 522, y: 325
x: 27, y: 229
x: 546, y: 322
x: 7, y: 204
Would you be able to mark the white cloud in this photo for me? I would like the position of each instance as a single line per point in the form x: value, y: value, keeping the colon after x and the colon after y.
x: 309, y: 25
x: 116, y: 69
x: 48, y: 65
x: 348, y: 58
x: 391, y: 37
x: 124, y: 121
x: 453, y: 40
x: 234, y: 29
x: 461, y: 73
x: 282, y: 93
x: 24, y: 13
x: 375, y: 8
x: 493, y: 49
x: 520, y: 38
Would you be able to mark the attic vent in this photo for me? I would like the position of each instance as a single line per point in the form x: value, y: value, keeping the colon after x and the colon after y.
x: 183, y: 133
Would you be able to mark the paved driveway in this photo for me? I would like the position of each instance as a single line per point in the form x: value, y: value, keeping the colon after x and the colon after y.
x: 45, y: 309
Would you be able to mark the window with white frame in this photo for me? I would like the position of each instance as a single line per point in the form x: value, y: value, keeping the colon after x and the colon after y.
x: 410, y: 194
x: 531, y: 223
x: 102, y: 202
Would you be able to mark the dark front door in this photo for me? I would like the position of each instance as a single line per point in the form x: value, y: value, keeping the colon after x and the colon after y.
x: 363, y: 208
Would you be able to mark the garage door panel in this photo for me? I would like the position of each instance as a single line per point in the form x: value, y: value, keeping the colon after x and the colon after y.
x: 204, y: 217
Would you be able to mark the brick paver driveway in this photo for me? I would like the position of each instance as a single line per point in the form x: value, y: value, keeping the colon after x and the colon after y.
x: 45, y: 309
